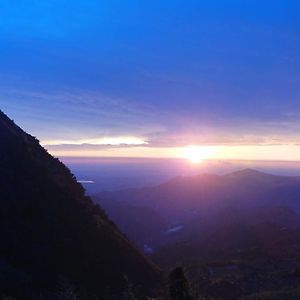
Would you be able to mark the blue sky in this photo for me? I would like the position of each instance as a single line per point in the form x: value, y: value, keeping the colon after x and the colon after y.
x: 171, y: 73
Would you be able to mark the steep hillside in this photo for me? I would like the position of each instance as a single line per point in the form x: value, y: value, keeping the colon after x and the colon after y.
x: 51, y: 233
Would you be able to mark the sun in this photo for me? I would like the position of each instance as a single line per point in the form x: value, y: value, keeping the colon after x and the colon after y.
x: 196, y: 154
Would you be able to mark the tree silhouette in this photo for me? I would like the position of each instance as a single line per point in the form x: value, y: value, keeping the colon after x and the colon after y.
x: 178, y: 285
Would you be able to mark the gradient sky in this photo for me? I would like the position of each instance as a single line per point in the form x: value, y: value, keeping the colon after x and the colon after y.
x: 163, y: 74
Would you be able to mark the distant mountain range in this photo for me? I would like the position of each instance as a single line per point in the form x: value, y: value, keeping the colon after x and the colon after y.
x: 54, y: 239
x: 185, y: 195
x: 230, y: 229
x: 200, y: 203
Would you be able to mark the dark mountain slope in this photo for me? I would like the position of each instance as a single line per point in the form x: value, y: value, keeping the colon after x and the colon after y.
x: 149, y: 221
x: 51, y: 232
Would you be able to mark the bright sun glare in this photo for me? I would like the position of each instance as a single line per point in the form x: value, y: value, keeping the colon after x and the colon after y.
x: 196, y: 154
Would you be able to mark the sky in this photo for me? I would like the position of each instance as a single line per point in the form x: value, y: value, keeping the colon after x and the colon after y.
x: 150, y: 78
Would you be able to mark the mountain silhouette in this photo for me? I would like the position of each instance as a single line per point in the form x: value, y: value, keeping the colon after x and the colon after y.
x: 52, y: 235
x: 237, y: 234
x: 183, y: 197
x: 203, y: 204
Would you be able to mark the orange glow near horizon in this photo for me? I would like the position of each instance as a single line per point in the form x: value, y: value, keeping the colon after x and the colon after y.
x: 193, y: 154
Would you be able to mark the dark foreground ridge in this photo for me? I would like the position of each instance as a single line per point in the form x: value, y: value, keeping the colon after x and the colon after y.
x: 53, y: 238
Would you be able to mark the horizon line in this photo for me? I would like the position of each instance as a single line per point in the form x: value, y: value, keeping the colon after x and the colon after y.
x: 171, y: 158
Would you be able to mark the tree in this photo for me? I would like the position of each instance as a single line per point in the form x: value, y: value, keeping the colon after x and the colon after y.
x: 178, y: 285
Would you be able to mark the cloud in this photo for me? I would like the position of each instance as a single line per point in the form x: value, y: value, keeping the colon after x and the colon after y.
x: 79, y: 115
x: 104, y: 141
x: 90, y: 121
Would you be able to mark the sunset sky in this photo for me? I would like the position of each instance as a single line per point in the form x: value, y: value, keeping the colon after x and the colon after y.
x: 151, y: 78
